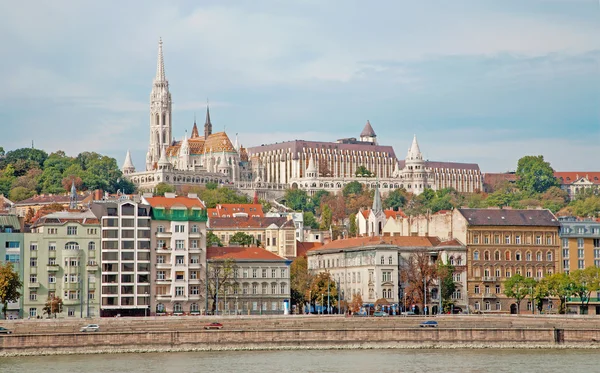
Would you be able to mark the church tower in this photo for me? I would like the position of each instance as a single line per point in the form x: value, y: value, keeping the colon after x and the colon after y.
x: 160, y: 113
x: 207, y: 124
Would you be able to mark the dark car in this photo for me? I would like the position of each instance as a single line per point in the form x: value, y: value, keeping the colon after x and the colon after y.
x: 213, y: 325
x: 429, y: 324
x: 5, y: 331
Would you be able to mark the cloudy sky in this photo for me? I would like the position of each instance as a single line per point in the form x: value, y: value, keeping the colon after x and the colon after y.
x: 481, y: 81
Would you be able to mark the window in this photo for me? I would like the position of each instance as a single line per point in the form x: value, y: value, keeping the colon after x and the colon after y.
x: 528, y: 256
x: 194, y: 228
x: 194, y: 244
x: 477, y: 289
x: 33, y: 296
x: 487, y: 306
x: 179, y: 244
x: 72, y: 245
x: 264, y: 273
x: 581, y: 264
x: 52, y: 261
x: 518, y: 256
x: 194, y: 259
x: 194, y: 290
x: 486, y: 240
x: 160, y: 244
x: 565, y: 253
x: 486, y: 255
x: 390, y: 260
x: 33, y: 262
x: 580, y: 253
x: 264, y: 288
x: 507, y: 255
x: 52, y: 246
x: 538, y: 240
x: 32, y: 246
x: 518, y: 239
x: 382, y: 261
x: 508, y: 273
x: 160, y: 275
x: 71, y: 231
x: 498, y: 289
x: 580, y: 230
x: 283, y: 288
x: 160, y: 259
x: 476, y: 240
x: 566, y: 265
x: 177, y: 308
x: 254, y: 288
x: 254, y: 273
x: 180, y: 228
x: 33, y: 312
x: 273, y: 273
x: 498, y: 306
x: 32, y: 279
x: 496, y: 255
x: 459, y: 261
x: 193, y: 275
x: 179, y: 291
x: 549, y: 240
x: 283, y: 272
x: 538, y: 256
x: 52, y: 279
x: 498, y: 272
x: 179, y: 260
x: 580, y: 243
x: 456, y: 277
x: 565, y: 243
x: 92, y: 245
x: 596, y: 253
x: 549, y: 256
x: 507, y: 240
x: 476, y: 255
x: 496, y: 239
x: 386, y: 276
x: 528, y: 273
x: 273, y: 288
x: 52, y: 230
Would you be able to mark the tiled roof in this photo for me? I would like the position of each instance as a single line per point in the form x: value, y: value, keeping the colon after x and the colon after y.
x: 571, y: 177
x: 228, y: 209
x: 365, y: 213
x: 449, y: 165
x: 303, y: 247
x: 63, y: 217
x: 243, y: 154
x: 241, y: 253
x: 179, y: 201
x: 443, y: 212
x: 450, y: 243
x: 217, y: 142
x: 368, y: 131
x: 492, y: 178
x: 509, y: 217
x: 249, y: 222
x: 298, y: 146
x: 394, y: 214
x: 49, y: 198
x: 400, y: 241
x: 10, y: 221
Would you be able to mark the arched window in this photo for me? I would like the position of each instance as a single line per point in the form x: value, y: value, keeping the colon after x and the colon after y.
x: 496, y: 255
x: 194, y: 228
x: 486, y: 255
x: 518, y: 256
x: 177, y: 307
x: 160, y: 228
x: 528, y: 256
x: 507, y: 255
x: 549, y: 256
x: 160, y: 308
x: 92, y: 245
x: 382, y: 260
x: 475, y: 255
x: 194, y: 307
x: 71, y: 246
x: 390, y: 260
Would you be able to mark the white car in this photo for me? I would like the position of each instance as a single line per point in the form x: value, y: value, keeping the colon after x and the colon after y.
x: 90, y: 328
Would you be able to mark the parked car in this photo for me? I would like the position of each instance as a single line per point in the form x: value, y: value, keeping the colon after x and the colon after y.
x: 5, y: 331
x: 380, y: 314
x: 90, y: 328
x: 429, y: 324
x: 213, y: 325
x: 408, y: 313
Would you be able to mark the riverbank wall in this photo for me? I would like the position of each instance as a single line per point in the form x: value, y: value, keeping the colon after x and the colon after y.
x: 212, y: 340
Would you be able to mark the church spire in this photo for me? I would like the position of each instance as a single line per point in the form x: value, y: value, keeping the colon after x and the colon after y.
x: 414, y: 152
x: 377, y: 206
x: 207, y: 123
x: 160, y: 64
x: 73, y: 197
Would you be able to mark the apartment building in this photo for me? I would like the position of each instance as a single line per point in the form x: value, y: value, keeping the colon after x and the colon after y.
x: 60, y: 261
x: 11, y: 250
x: 126, y: 256
x: 259, y: 285
x: 178, y: 243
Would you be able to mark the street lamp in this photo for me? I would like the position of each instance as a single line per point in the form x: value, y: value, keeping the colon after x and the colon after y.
x: 148, y: 305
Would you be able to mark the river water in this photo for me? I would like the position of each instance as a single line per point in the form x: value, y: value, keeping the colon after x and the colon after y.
x: 346, y: 361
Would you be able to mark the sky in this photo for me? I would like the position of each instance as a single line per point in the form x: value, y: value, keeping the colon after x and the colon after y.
x: 480, y: 81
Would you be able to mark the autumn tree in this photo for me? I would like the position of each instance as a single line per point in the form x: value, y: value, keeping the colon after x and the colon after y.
x: 242, y: 239
x: 356, y: 304
x: 418, y: 271
x: 220, y: 279
x: 10, y: 286
x: 323, y: 288
x: 518, y: 287
x: 213, y: 240
x: 300, y: 280
x: 53, y: 306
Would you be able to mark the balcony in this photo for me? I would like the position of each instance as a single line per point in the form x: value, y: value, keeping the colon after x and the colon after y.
x: 195, y: 265
x: 163, y: 296
x: 164, y: 281
x: 488, y: 279
x: 52, y: 267
x: 489, y: 295
x: 71, y: 302
x: 91, y: 267
x: 163, y: 265
x: 163, y: 234
x: 52, y: 286
x: 33, y: 285
x: 195, y: 234
x: 164, y: 249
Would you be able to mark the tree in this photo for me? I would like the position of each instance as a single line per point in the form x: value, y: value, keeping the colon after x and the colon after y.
x: 353, y: 229
x: 559, y: 285
x: 540, y: 292
x: 53, y: 306
x: 584, y: 282
x: 242, y: 239
x: 300, y: 280
x: 395, y: 200
x: 447, y: 286
x: 352, y: 188
x: 323, y: 288
x: 534, y: 175
x: 518, y: 287
x: 10, y: 286
x: 211, y: 186
x: 20, y: 193
x: 36, y: 155
x: 162, y: 188
x: 324, y: 170
x: 296, y: 199
x: 326, y: 218
x: 212, y: 240
x: 310, y: 220
x: 418, y: 271
x: 220, y: 278
x: 363, y: 172
x: 356, y: 303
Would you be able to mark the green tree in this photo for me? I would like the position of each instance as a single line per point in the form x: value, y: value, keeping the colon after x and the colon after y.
x: 518, y: 287
x: 352, y: 188
x: 162, y: 188
x: 10, y: 285
x: 300, y: 280
x: 212, y: 240
x: 211, y: 186
x: 363, y: 171
x: 445, y: 272
x: 317, y: 198
x: 353, y: 229
x: 20, y: 193
x: 584, y: 282
x: 242, y: 239
x: 395, y: 200
x: 475, y: 201
x: 310, y: 220
x: 559, y: 285
x: 534, y: 175
x: 2, y: 153
x: 326, y: 217
x: 323, y: 288
x: 27, y: 154
x: 296, y: 199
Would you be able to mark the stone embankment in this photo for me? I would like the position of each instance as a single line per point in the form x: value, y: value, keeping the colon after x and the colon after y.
x: 34, y: 337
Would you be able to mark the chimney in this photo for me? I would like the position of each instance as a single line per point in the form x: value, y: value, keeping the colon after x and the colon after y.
x: 97, y: 194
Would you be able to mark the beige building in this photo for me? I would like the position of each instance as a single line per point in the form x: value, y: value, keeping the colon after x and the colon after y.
x: 37, y: 202
x: 371, y: 267
x: 277, y: 235
x: 260, y: 283
x: 179, y: 254
x: 61, y: 260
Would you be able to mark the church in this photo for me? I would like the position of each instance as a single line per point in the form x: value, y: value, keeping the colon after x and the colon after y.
x: 197, y: 159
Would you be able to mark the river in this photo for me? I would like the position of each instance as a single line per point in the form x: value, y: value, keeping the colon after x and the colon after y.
x: 346, y: 361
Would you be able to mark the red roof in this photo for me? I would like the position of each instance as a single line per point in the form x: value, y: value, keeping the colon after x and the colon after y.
x: 241, y: 253
x: 394, y: 214
x: 179, y: 201
x: 227, y: 210
x: 571, y: 177
x: 402, y: 241
x: 303, y: 247
x: 250, y: 222
x: 365, y: 213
